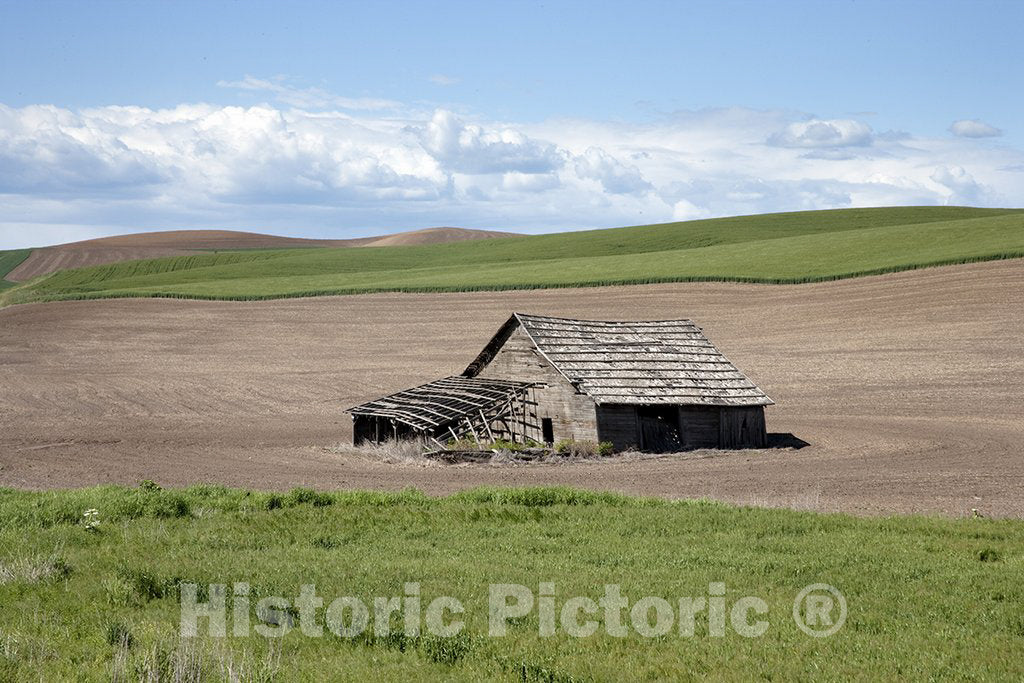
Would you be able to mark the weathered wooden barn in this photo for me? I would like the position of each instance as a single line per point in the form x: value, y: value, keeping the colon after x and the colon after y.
x: 651, y: 385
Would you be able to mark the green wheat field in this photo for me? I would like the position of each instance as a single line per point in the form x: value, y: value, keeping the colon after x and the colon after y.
x: 772, y: 248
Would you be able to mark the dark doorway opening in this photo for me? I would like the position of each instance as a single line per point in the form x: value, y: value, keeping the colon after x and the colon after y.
x: 547, y: 428
x: 659, y: 428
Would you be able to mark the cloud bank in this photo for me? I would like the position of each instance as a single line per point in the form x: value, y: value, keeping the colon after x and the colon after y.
x: 313, y: 163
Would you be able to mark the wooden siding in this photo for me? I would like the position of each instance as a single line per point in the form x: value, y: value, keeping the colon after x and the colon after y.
x: 700, y: 426
x: 743, y: 428
x: 617, y: 423
x: 572, y: 413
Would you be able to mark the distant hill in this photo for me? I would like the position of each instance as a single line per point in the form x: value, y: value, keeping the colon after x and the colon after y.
x: 804, y: 246
x: 431, y: 236
x: 148, y: 245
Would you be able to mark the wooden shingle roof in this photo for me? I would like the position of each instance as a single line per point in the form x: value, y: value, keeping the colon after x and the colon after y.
x: 647, y: 362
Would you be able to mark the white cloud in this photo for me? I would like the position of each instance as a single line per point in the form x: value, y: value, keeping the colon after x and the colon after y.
x: 820, y: 133
x: 684, y: 210
x: 961, y: 186
x: 973, y: 128
x: 307, y: 98
x: 470, y: 148
x: 515, y: 182
x: 614, y: 176
x: 306, y: 171
x: 443, y: 80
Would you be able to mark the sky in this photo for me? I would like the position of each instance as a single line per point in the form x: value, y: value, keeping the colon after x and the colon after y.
x: 342, y: 119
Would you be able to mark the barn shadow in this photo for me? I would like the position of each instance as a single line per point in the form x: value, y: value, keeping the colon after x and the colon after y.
x: 785, y: 440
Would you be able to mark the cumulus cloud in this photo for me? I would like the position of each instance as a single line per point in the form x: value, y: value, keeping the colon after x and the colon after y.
x: 960, y: 185
x: 250, y: 154
x: 973, y: 128
x: 824, y: 133
x: 614, y: 176
x: 46, y: 150
x: 685, y: 210
x: 336, y: 171
x: 470, y: 148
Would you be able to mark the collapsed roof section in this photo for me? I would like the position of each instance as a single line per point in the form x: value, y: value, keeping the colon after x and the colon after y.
x: 453, y: 404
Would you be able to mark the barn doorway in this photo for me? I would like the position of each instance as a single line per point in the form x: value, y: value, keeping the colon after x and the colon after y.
x: 547, y: 427
x: 659, y: 428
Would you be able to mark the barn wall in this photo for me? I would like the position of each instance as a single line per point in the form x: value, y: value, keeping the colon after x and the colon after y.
x: 699, y: 426
x: 617, y: 423
x: 572, y: 413
x: 743, y: 428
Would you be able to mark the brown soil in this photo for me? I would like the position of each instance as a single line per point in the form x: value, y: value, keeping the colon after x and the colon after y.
x: 907, y: 386
x: 432, y: 236
x: 180, y: 242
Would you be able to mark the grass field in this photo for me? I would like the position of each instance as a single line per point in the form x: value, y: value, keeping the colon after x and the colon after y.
x: 774, y: 248
x: 927, y: 598
x: 9, y: 260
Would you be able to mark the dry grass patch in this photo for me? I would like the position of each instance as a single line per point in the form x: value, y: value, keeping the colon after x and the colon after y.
x: 34, y: 568
x: 401, y: 452
x: 182, y: 661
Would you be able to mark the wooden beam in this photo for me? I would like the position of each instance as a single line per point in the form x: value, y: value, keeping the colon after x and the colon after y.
x: 473, y: 431
x: 512, y: 425
x: 522, y: 400
x: 487, y: 425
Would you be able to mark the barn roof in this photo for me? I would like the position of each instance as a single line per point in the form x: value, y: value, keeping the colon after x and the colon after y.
x: 443, y: 402
x: 648, y: 362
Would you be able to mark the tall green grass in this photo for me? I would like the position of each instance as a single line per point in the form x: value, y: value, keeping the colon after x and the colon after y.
x: 928, y: 598
x: 774, y: 248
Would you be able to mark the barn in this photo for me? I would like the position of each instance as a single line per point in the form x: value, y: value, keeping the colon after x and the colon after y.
x: 652, y: 385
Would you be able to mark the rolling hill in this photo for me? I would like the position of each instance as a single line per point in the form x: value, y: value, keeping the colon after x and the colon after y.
x: 771, y: 248
x: 10, y: 260
x: 149, y: 245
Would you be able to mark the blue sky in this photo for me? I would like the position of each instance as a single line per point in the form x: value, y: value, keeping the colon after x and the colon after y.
x: 356, y: 118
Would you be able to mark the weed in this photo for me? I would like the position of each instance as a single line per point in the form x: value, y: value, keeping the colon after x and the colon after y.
x: 988, y: 555
x: 326, y: 543
x: 91, y: 520
x: 169, y: 505
x: 119, y: 635
x: 448, y: 650
x: 303, y: 496
x: 533, y: 672
x: 396, y: 451
x: 584, y: 449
